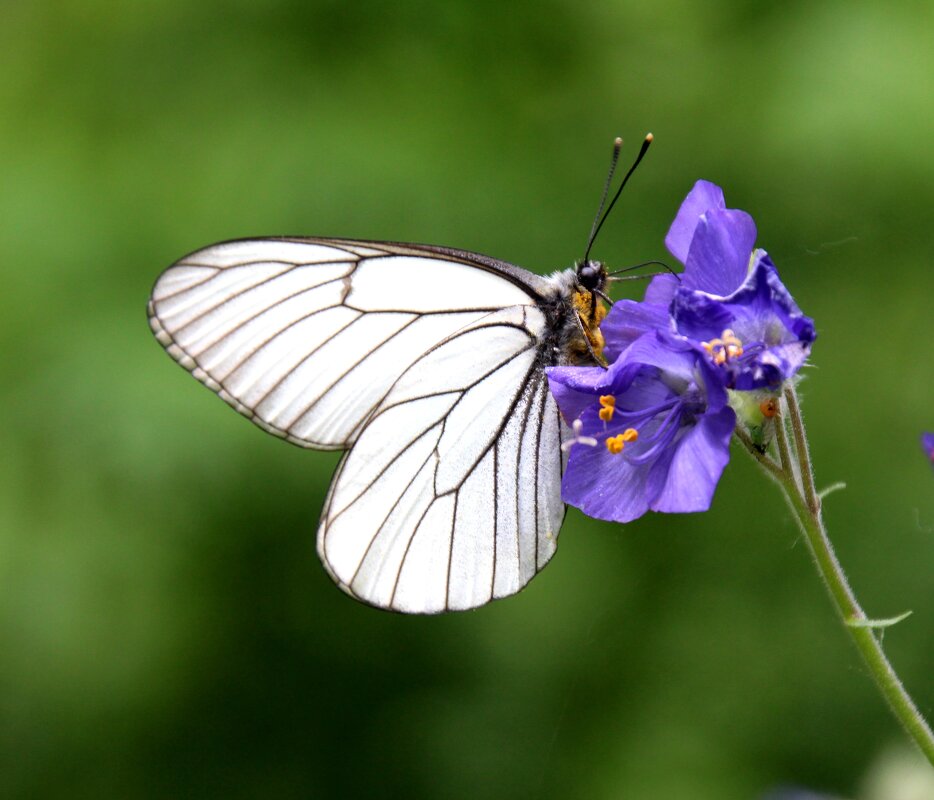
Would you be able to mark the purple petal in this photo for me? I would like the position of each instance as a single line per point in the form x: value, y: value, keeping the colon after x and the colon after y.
x: 698, y: 461
x: 604, y: 486
x: 779, y: 299
x: 702, y: 197
x: 645, y: 391
x: 627, y: 321
x: 718, y: 260
x: 699, y: 316
x: 574, y: 388
x: 763, y: 290
x: 661, y: 290
x: 662, y: 350
x: 717, y: 397
x: 927, y: 444
x: 772, y: 367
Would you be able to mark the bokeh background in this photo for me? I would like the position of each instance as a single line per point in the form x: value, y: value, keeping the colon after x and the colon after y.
x: 165, y: 627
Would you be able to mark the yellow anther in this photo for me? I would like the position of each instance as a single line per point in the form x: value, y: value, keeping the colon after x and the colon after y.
x: 615, y: 444
x: 607, y: 406
x: 732, y: 344
x: 724, y: 348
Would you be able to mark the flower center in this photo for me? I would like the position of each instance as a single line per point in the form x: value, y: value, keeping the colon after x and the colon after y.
x: 725, y: 348
x: 662, y: 419
x: 615, y: 444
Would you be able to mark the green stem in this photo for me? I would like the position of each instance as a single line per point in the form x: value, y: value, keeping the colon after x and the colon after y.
x: 804, y: 454
x: 784, y: 452
x: 806, y: 505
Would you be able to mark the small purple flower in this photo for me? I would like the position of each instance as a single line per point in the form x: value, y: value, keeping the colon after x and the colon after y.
x: 927, y: 444
x: 757, y: 335
x: 730, y: 301
x: 654, y: 430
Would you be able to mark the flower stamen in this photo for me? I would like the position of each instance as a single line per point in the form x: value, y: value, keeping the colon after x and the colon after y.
x: 725, y: 348
x: 615, y: 444
x: 607, y: 407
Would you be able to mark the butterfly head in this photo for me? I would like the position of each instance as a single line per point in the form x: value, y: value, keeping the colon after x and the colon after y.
x: 591, y: 275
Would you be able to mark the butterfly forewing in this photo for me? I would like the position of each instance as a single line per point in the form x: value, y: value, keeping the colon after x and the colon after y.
x: 427, y: 363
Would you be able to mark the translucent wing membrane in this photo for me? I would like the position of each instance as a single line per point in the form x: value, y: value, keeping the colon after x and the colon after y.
x: 427, y: 363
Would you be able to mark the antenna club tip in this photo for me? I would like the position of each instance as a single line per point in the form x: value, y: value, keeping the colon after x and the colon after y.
x: 649, y: 138
x: 618, y: 141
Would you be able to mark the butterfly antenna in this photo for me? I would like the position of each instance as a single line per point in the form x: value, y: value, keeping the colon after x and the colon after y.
x: 612, y: 275
x: 617, y: 146
x: 597, y: 225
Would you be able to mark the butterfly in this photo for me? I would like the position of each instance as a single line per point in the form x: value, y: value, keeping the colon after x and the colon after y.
x: 427, y: 366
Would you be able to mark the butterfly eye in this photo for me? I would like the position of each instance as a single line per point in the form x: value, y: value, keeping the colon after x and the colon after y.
x: 590, y: 275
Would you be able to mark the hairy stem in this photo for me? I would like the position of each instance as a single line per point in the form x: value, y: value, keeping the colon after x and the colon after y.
x: 796, y: 478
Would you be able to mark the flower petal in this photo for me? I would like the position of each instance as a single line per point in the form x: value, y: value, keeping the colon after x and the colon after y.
x: 703, y: 196
x: 927, y: 444
x: 660, y: 349
x: 574, y: 388
x: 718, y: 259
x: 700, y: 316
x: 604, y: 486
x: 627, y: 321
x: 698, y: 461
x: 661, y: 289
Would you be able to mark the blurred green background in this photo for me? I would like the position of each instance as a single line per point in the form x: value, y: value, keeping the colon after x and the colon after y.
x: 165, y: 627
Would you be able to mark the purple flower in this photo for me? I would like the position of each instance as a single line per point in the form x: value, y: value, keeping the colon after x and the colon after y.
x: 927, y: 444
x: 757, y: 335
x: 654, y: 430
x: 730, y: 301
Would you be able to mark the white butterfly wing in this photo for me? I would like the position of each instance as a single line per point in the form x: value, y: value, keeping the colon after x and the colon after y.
x: 427, y: 363
x: 465, y: 506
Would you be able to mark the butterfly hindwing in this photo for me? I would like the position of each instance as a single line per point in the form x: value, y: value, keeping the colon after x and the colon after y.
x: 466, y: 507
